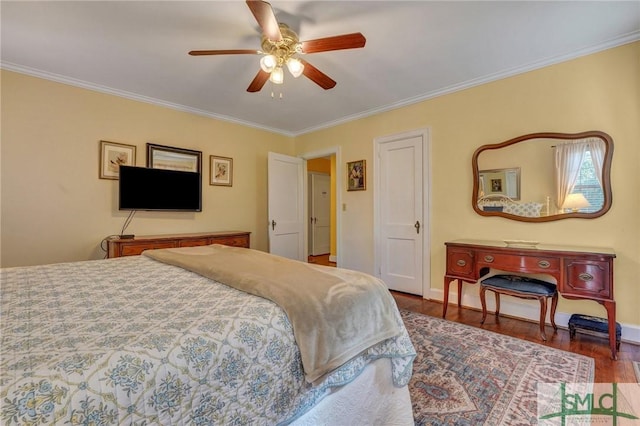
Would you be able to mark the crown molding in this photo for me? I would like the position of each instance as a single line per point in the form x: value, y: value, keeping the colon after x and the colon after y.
x: 619, y: 41
x: 33, y: 72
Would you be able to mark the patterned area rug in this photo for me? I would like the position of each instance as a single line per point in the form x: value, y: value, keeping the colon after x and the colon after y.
x: 469, y: 376
x: 636, y: 368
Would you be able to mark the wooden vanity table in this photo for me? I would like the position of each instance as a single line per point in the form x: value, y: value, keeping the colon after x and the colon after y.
x: 580, y: 272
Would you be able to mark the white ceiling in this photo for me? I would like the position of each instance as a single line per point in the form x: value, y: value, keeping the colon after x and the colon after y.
x: 415, y: 50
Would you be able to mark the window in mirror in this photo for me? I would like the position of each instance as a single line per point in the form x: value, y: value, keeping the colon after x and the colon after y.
x: 589, y: 186
x: 578, y: 166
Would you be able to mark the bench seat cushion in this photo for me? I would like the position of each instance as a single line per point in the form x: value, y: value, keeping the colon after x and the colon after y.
x: 587, y: 322
x: 521, y: 284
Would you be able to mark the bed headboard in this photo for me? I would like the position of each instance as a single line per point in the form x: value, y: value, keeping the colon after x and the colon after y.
x: 502, y: 203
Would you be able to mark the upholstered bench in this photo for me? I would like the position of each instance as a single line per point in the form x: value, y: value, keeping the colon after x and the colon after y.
x: 524, y: 288
x: 592, y: 325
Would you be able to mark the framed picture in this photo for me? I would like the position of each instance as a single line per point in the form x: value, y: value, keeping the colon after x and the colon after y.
x: 112, y: 156
x: 356, y: 175
x: 500, y: 182
x: 168, y: 157
x: 220, y: 171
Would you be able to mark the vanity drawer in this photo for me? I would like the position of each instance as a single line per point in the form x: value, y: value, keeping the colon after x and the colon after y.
x: 193, y: 242
x: 136, y: 248
x: 512, y: 262
x: 235, y: 241
x: 587, y: 278
x: 460, y: 263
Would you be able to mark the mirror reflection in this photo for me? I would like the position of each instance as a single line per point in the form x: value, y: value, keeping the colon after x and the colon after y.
x: 500, y: 182
x: 544, y: 176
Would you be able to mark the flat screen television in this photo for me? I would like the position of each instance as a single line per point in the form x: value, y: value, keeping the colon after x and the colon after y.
x: 144, y: 188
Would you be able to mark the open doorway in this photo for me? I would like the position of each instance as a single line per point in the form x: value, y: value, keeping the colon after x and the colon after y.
x: 321, y: 210
x: 322, y: 199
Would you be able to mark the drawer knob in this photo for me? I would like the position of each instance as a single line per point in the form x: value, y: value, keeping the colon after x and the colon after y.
x: 544, y: 264
x: 585, y: 276
x: 488, y: 258
x: 461, y: 262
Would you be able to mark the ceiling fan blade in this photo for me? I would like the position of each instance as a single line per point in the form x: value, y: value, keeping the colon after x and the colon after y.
x: 346, y: 41
x: 258, y: 82
x: 263, y: 13
x: 224, y: 52
x: 317, y: 76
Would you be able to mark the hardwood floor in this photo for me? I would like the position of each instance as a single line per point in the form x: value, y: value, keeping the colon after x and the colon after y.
x: 323, y: 259
x: 607, y: 370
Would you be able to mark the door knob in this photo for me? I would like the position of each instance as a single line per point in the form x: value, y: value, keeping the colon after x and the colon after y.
x: 273, y: 225
x: 417, y: 226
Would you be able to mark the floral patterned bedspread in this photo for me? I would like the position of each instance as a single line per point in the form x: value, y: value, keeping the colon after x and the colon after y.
x: 134, y: 341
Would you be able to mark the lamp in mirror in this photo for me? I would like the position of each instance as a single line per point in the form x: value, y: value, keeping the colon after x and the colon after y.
x: 535, y: 177
x: 575, y: 202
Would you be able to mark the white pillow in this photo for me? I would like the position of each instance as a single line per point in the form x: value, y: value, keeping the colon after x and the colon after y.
x: 523, y: 209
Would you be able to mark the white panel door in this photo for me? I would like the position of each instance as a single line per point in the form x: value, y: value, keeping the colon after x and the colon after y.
x: 400, y: 209
x: 286, y: 206
x: 320, y: 218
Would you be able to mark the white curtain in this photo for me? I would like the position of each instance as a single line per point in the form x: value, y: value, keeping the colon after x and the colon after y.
x: 481, y: 182
x: 597, y: 149
x: 569, y: 157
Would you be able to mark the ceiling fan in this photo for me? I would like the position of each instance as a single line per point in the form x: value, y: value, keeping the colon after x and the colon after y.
x: 281, y: 46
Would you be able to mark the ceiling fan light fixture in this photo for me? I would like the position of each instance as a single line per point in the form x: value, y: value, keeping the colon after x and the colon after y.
x: 277, y: 76
x: 295, y: 67
x: 268, y: 63
x: 280, y: 45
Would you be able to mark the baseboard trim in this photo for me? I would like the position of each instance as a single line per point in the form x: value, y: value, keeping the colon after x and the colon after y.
x: 524, y: 309
x: 333, y: 258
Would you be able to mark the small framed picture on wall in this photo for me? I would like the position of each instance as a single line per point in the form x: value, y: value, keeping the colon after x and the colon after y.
x: 357, y: 175
x: 172, y: 158
x: 220, y: 171
x: 112, y: 156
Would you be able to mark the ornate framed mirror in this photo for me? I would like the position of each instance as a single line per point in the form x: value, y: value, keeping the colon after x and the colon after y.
x: 542, y: 177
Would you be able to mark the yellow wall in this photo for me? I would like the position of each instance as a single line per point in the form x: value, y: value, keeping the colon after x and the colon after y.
x: 596, y: 92
x: 54, y: 207
x: 320, y: 165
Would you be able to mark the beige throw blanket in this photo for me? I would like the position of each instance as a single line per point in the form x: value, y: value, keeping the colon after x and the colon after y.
x: 335, y: 313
